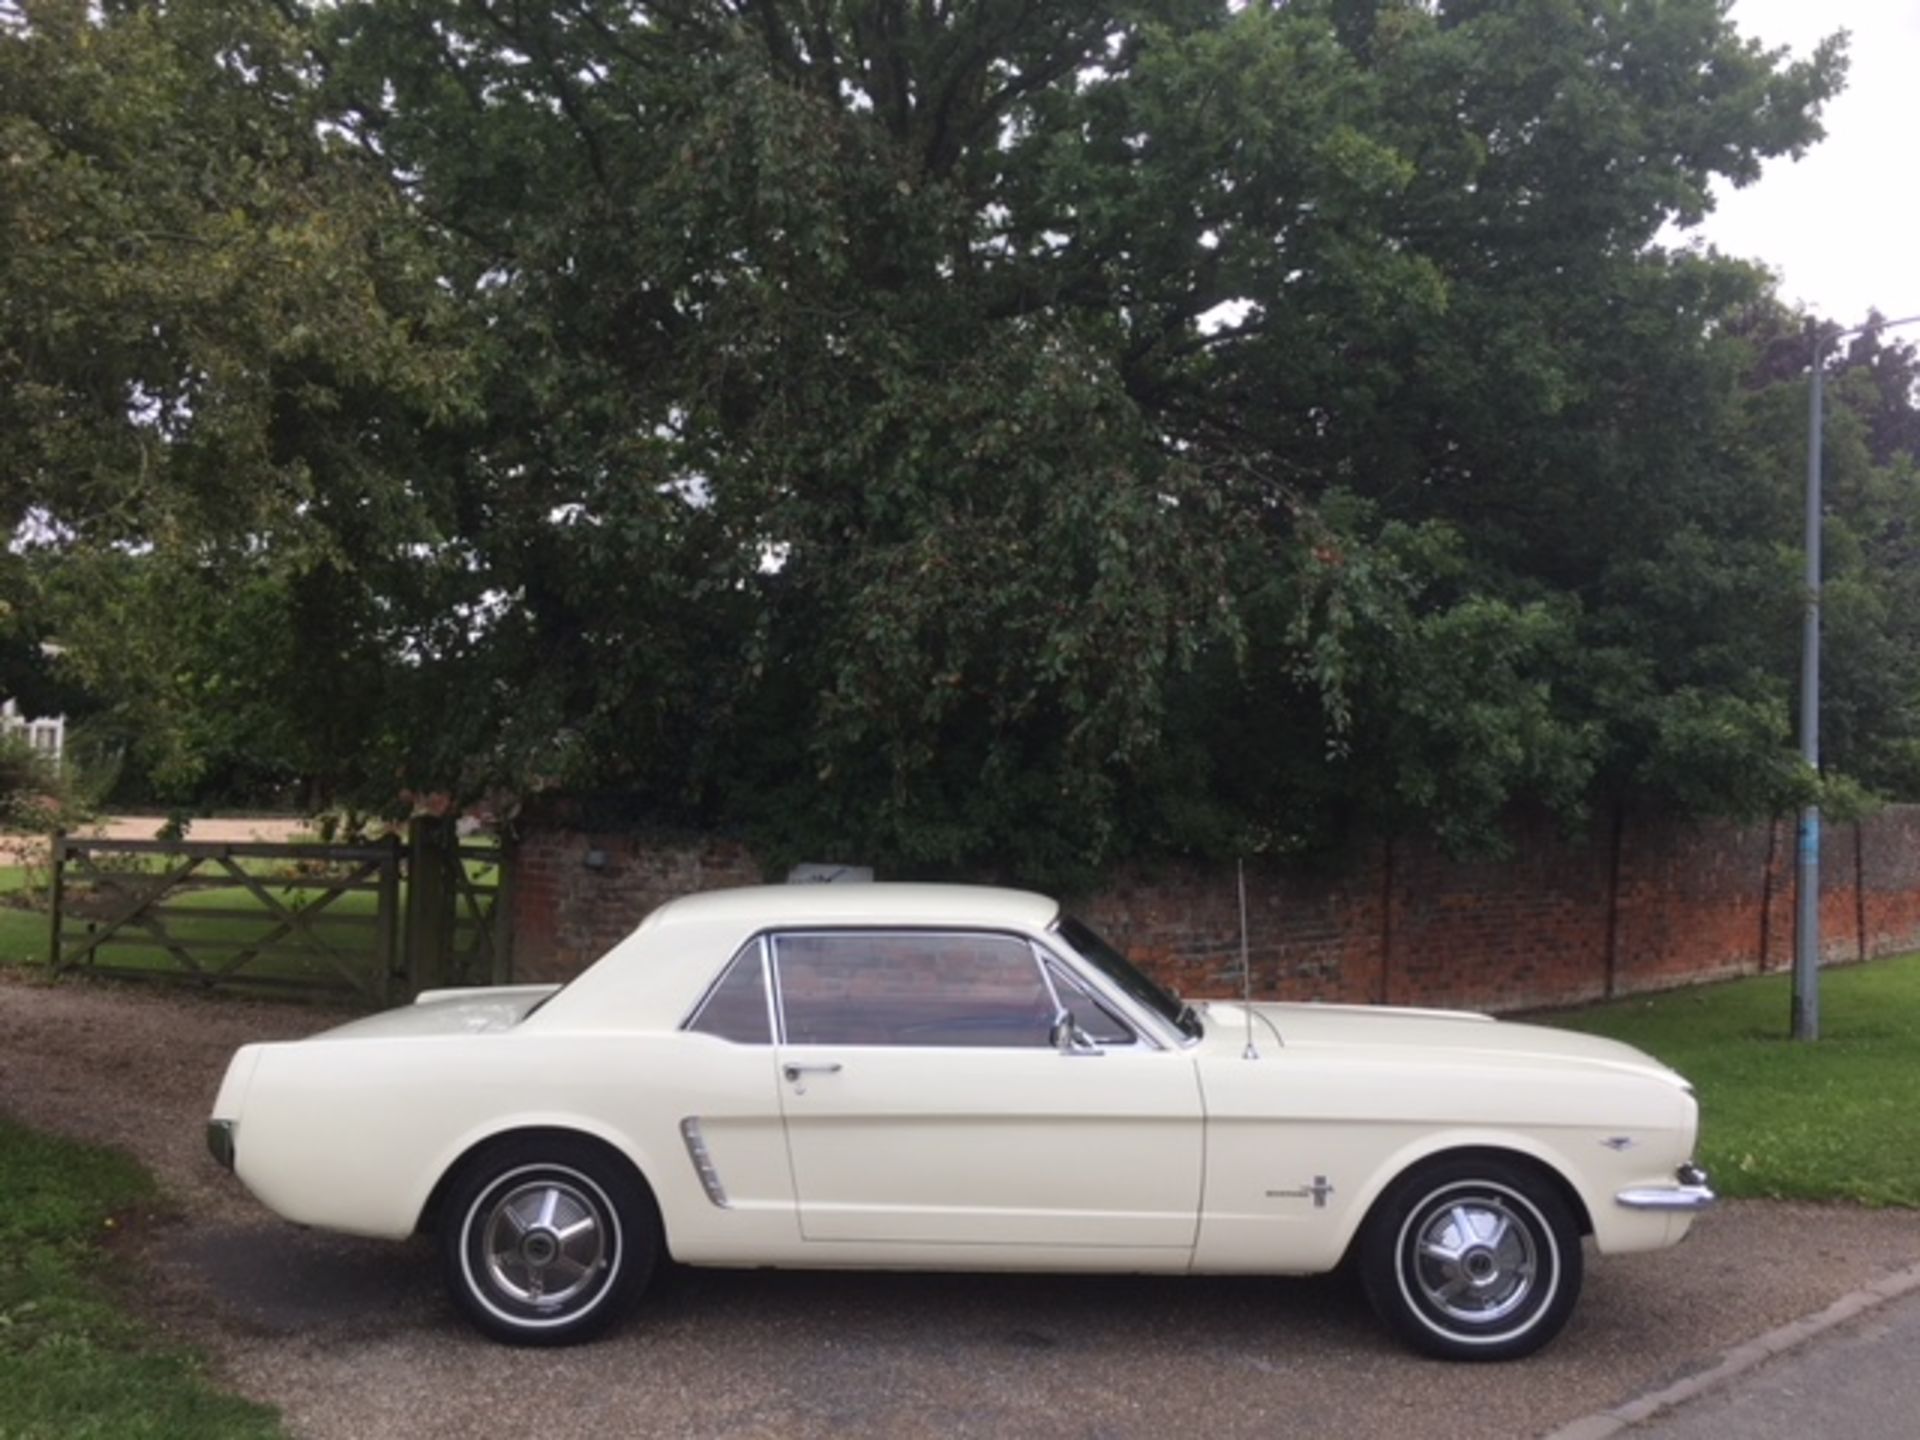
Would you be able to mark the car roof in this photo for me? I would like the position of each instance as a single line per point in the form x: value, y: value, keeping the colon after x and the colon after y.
x: 651, y: 979
x: 861, y: 903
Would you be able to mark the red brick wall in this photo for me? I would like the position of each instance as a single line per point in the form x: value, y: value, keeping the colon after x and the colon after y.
x: 566, y: 912
x: 1635, y: 905
x: 1888, y: 897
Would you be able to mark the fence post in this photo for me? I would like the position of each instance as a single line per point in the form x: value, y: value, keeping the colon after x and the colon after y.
x: 55, y: 896
x: 387, y: 920
x: 502, y: 917
x: 432, y: 847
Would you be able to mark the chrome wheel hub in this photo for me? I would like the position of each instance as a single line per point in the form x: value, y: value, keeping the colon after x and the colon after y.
x: 545, y: 1243
x: 1474, y: 1260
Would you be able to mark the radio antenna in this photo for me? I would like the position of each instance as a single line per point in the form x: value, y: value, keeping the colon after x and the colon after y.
x: 1246, y: 966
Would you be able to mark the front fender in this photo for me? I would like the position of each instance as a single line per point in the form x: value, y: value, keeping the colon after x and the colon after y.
x: 1593, y: 1171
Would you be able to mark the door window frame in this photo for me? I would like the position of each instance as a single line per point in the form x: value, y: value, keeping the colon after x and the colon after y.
x: 882, y: 932
x: 1145, y: 1035
x: 1147, y: 1032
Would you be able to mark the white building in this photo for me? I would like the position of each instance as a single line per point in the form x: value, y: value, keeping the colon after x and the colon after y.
x: 48, y: 736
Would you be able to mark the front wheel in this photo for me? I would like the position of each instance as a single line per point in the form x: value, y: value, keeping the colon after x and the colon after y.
x: 552, y: 1238
x: 1472, y: 1259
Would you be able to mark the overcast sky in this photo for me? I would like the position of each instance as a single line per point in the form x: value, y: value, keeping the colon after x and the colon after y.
x: 1841, y: 226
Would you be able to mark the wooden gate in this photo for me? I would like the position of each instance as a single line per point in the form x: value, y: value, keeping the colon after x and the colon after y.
x: 368, y: 922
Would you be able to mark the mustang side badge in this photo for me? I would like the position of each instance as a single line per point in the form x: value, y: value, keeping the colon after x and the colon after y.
x: 1319, y: 1190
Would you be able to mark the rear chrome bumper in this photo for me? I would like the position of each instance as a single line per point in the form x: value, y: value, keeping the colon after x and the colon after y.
x: 220, y: 1141
x: 1688, y: 1192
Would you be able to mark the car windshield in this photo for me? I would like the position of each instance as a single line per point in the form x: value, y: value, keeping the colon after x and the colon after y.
x: 1120, y: 970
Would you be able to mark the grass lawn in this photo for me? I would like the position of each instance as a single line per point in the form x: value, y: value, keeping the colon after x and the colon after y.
x: 23, y: 933
x: 1838, y: 1119
x: 72, y: 1363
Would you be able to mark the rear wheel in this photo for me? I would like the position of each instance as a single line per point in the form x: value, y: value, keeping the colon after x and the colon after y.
x: 1473, y: 1258
x: 550, y: 1240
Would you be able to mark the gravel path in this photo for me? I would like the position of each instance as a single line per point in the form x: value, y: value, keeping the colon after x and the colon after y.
x: 17, y: 849
x: 353, y: 1339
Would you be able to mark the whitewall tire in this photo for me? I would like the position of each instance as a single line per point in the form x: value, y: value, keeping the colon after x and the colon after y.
x: 1473, y: 1258
x: 547, y: 1239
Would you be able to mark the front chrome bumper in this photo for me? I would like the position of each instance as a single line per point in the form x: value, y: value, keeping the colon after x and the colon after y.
x: 1688, y: 1192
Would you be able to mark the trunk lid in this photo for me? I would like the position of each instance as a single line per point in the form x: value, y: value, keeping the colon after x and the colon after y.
x: 478, y: 1011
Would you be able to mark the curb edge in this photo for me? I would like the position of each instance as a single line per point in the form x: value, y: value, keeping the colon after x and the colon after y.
x: 1603, y: 1424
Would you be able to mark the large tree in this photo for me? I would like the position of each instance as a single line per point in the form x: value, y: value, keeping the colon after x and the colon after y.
x: 1031, y: 431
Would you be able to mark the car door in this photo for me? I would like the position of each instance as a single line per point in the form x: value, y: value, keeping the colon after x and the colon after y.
x: 926, y: 1103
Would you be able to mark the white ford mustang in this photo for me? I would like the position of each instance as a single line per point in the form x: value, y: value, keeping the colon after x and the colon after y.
x: 948, y: 1077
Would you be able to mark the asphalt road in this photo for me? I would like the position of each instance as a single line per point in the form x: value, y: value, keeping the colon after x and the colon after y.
x: 1860, y: 1382
x: 353, y: 1338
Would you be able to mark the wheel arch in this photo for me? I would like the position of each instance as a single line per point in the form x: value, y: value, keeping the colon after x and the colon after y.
x: 427, y: 1219
x: 1535, y: 1159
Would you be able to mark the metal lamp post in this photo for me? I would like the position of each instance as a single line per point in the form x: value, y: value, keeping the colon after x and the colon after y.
x: 1806, y: 928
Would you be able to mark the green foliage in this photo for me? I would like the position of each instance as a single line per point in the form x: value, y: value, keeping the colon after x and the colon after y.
x: 200, y: 291
x: 222, y: 345
x: 236, y: 679
x: 27, y: 784
x: 990, y: 435
x: 1787, y: 1120
x: 71, y: 1362
x: 35, y: 794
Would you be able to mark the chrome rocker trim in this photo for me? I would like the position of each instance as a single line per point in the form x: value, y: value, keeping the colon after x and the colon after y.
x: 1690, y: 1193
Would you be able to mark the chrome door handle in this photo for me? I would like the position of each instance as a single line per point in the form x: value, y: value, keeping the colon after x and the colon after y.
x: 794, y: 1072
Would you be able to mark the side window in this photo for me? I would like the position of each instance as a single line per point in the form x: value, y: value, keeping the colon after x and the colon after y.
x: 736, y: 1007
x: 872, y: 988
x: 1096, y: 1021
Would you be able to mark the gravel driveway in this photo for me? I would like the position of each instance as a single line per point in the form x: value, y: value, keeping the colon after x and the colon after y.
x: 352, y: 1338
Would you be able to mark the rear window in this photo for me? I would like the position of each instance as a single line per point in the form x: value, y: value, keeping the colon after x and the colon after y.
x: 736, y: 1008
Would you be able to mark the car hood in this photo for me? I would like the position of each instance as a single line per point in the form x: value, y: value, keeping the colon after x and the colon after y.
x: 448, y: 1012
x: 1436, y: 1034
